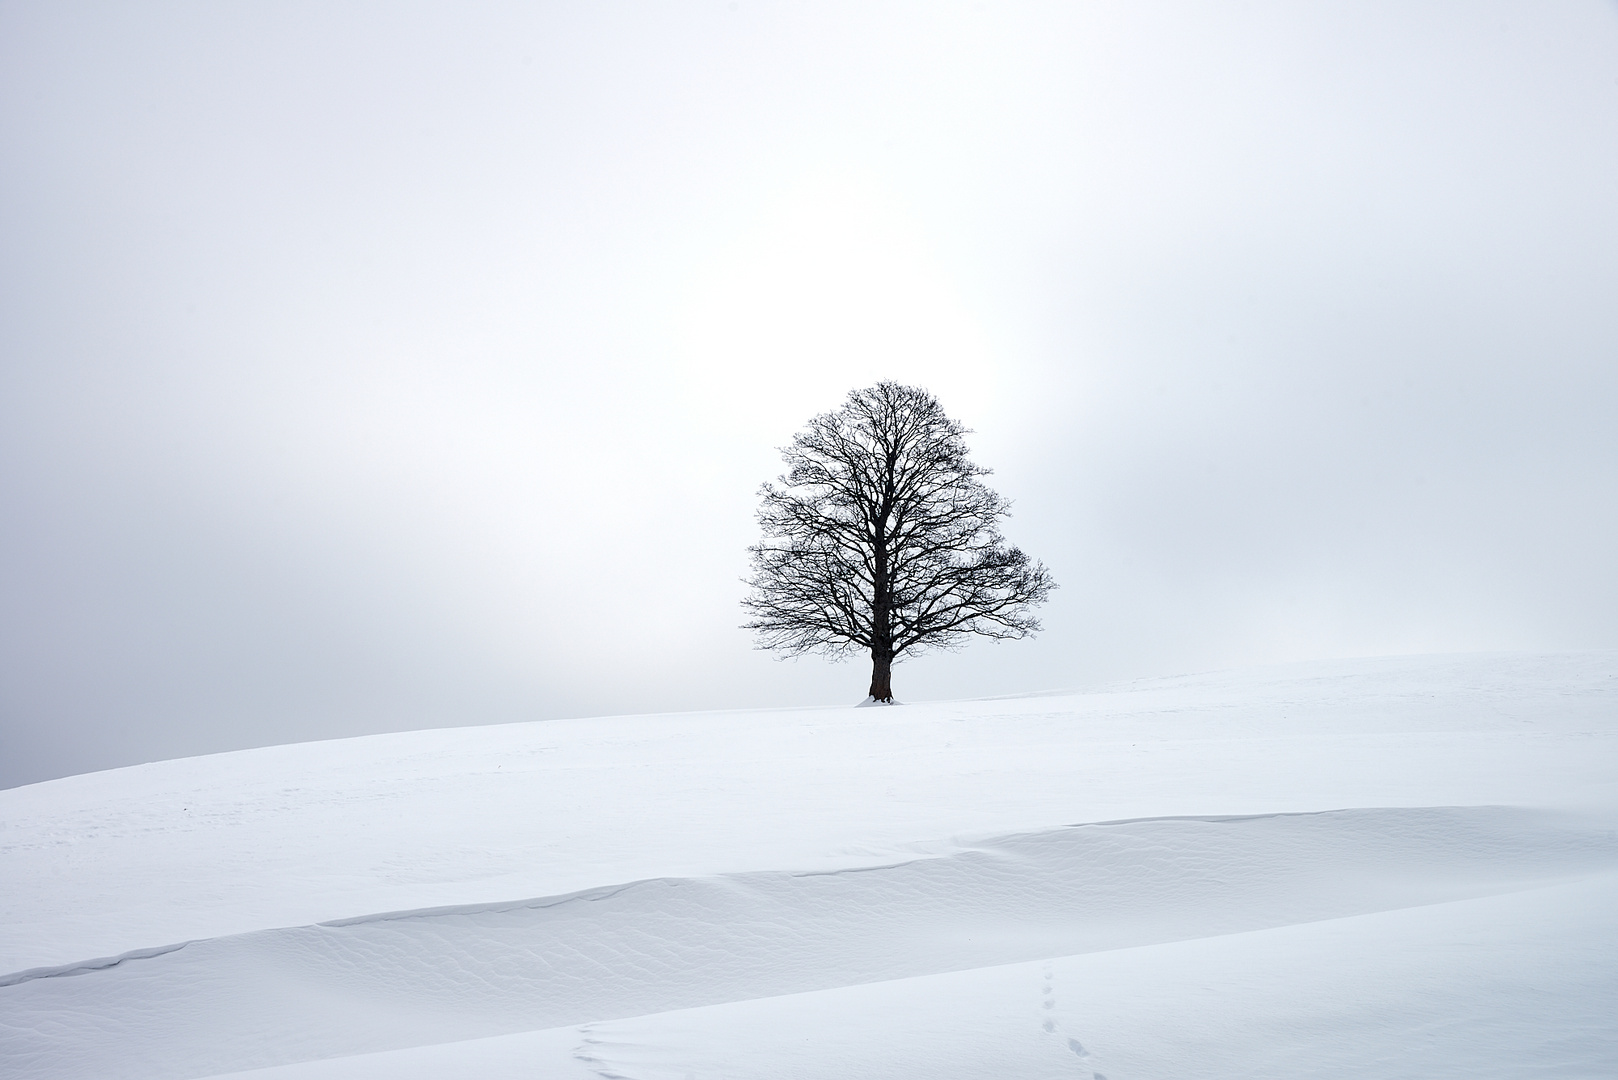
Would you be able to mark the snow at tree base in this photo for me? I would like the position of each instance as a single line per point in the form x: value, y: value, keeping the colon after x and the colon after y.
x: 1371, y: 868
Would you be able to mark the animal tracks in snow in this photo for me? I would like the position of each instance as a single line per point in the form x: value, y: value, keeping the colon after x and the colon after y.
x: 1050, y: 1025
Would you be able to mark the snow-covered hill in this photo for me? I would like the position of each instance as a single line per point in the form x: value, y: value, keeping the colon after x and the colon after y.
x: 1386, y: 868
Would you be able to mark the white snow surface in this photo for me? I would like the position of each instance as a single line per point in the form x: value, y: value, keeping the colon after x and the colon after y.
x: 1373, y: 868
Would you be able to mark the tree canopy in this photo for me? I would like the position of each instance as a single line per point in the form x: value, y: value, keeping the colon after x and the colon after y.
x: 882, y: 536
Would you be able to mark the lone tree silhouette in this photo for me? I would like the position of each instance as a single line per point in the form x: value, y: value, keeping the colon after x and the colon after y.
x: 880, y: 536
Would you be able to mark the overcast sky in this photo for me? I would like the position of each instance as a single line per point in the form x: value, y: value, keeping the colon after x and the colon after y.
x: 373, y: 366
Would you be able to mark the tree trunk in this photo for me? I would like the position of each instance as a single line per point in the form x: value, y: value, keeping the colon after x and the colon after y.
x: 881, y: 675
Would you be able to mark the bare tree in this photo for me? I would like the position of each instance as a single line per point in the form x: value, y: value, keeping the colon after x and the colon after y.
x: 880, y: 536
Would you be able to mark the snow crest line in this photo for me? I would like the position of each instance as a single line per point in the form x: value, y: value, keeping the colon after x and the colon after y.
x: 536, y: 903
x: 1216, y: 819
x: 84, y: 967
x: 597, y: 894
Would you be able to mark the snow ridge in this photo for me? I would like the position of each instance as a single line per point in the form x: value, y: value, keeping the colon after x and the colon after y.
x: 473, y: 971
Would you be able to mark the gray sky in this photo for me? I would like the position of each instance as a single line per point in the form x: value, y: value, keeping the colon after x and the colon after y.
x: 375, y: 366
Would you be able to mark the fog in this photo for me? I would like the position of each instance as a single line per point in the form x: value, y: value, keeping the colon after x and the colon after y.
x: 372, y: 366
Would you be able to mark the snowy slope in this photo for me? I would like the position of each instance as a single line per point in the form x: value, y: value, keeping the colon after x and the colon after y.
x: 1383, y: 868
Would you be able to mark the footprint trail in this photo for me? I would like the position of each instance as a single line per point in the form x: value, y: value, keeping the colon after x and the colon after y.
x: 1051, y: 1027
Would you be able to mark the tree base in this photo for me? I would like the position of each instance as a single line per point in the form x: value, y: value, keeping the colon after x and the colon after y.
x: 870, y: 701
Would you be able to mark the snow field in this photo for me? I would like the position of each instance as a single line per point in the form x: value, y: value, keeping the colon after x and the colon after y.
x: 1369, y: 868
